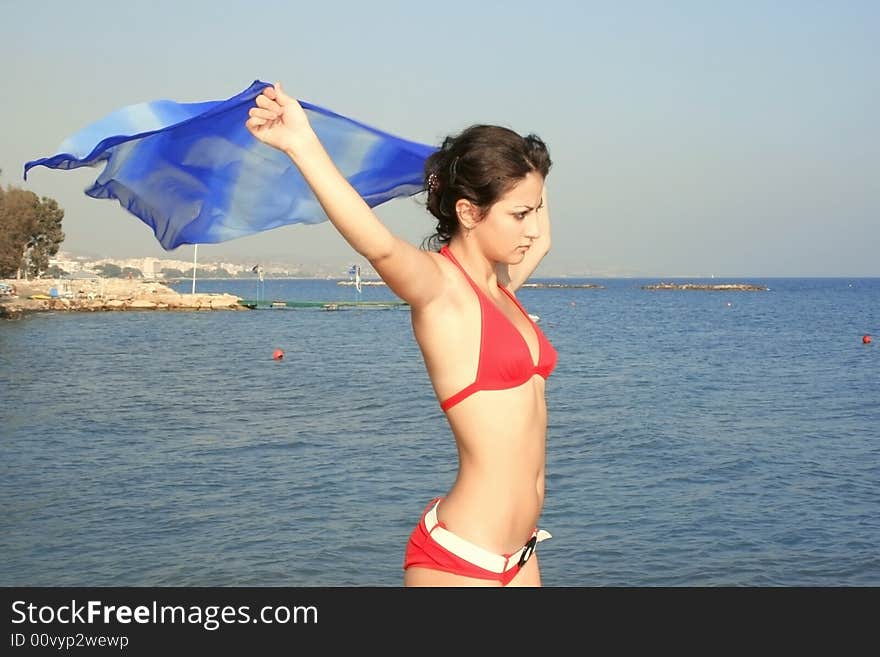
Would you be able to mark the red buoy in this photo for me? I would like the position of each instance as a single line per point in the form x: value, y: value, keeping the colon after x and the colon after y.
x: 278, y: 354
x: 866, y: 339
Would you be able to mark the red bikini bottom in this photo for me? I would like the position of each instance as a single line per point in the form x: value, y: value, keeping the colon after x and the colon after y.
x: 433, y: 546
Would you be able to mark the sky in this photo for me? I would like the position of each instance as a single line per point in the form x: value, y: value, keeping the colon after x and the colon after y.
x: 688, y: 138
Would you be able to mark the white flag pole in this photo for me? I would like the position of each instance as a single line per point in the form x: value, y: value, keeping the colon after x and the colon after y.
x: 195, y: 260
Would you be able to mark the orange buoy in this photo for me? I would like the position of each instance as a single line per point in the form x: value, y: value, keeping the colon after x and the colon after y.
x: 866, y: 339
x: 278, y: 354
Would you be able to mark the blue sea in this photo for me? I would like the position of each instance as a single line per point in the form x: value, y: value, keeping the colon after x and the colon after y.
x: 695, y: 439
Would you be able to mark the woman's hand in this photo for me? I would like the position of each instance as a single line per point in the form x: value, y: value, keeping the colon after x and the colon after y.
x: 278, y: 120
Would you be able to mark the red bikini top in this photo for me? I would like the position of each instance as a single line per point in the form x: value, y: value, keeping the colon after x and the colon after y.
x: 505, y: 360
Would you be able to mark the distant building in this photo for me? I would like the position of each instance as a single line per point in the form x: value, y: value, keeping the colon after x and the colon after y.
x: 151, y: 269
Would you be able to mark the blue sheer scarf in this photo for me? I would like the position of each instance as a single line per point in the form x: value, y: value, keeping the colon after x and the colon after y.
x: 195, y: 175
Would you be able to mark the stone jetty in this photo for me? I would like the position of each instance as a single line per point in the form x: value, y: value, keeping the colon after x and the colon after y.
x: 712, y: 287
x: 582, y: 286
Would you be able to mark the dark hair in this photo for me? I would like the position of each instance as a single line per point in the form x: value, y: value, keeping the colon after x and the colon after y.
x: 480, y: 164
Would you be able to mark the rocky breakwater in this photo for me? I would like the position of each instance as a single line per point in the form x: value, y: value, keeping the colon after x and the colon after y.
x: 712, y: 287
x: 105, y: 294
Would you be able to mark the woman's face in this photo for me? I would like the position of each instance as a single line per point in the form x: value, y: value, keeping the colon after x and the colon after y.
x: 509, y: 227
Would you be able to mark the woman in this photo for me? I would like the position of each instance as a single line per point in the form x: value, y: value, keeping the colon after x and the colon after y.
x: 486, y: 359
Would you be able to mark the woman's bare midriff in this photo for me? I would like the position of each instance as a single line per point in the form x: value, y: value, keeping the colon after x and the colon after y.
x: 497, y: 497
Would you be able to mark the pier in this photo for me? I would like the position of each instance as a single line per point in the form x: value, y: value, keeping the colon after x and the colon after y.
x: 324, y: 305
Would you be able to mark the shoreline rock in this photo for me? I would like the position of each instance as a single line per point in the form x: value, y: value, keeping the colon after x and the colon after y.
x: 108, y: 294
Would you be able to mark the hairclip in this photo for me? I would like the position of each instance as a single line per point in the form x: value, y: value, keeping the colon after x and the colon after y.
x: 433, y: 182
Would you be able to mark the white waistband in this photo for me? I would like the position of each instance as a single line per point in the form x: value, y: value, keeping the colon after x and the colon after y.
x: 478, y: 556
